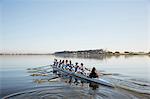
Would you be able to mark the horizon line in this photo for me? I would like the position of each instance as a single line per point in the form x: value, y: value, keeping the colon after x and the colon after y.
x: 2, y: 52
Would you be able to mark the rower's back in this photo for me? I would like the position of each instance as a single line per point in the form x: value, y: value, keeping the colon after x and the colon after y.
x: 93, y: 73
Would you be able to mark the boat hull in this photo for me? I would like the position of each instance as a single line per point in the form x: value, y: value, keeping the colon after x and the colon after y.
x: 83, y: 77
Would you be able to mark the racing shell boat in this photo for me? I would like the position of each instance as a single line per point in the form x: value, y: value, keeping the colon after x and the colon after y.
x: 83, y: 77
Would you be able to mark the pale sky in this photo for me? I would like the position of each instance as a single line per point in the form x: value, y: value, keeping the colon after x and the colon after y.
x: 55, y: 25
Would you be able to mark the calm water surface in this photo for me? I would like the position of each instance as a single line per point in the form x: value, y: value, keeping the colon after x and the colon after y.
x: 15, y: 78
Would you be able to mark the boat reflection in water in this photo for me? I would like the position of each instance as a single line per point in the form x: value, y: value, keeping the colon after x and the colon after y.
x: 93, y: 86
x: 93, y: 89
x: 78, y: 81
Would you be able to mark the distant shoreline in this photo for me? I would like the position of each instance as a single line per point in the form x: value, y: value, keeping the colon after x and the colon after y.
x: 21, y: 54
x: 98, y: 52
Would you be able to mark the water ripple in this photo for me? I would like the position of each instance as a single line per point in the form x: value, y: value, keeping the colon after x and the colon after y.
x: 73, y: 92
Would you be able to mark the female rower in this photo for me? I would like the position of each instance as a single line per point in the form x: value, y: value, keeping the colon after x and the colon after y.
x: 76, y: 66
x: 55, y: 62
x: 62, y: 64
x: 66, y: 65
x: 82, y: 69
x: 93, y: 73
x: 70, y: 66
x: 59, y: 64
x: 75, y: 69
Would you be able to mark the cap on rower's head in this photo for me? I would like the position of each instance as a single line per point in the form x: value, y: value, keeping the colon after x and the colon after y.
x: 81, y: 63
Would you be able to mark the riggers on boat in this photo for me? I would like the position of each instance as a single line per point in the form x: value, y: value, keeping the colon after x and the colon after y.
x: 83, y: 77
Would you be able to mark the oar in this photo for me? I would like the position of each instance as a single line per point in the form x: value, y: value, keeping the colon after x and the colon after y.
x: 38, y: 67
x: 44, y: 66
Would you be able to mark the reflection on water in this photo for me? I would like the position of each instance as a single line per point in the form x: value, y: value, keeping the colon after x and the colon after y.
x: 93, y: 56
x: 93, y: 86
x: 71, y: 92
x: 97, y: 56
x: 63, y: 88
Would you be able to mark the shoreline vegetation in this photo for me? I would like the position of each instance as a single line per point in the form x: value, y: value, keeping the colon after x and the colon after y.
x: 101, y: 52
x: 97, y: 52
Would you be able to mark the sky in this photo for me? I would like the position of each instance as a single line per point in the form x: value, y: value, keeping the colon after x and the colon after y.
x: 46, y: 26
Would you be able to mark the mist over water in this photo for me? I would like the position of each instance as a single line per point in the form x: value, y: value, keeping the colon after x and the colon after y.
x: 15, y: 77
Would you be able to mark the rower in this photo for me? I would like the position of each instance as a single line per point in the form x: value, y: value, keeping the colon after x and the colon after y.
x: 93, y: 73
x: 75, y: 69
x: 70, y: 65
x: 76, y: 66
x: 84, y: 70
x: 59, y: 64
x: 55, y: 62
x: 66, y: 65
x: 79, y: 71
x: 62, y: 64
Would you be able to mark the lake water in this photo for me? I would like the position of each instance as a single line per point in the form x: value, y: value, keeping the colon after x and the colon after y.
x: 14, y: 76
